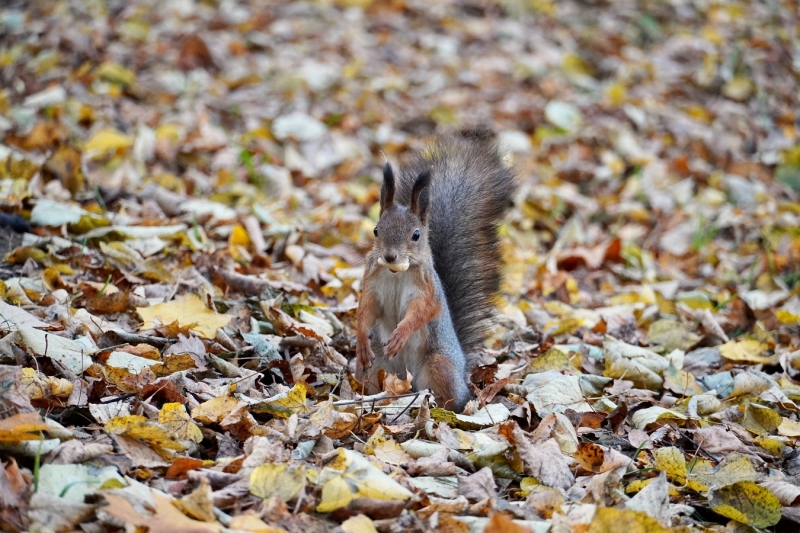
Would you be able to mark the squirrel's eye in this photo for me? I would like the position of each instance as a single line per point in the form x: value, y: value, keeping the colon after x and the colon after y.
x: 375, y: 231
x: 415, y: 236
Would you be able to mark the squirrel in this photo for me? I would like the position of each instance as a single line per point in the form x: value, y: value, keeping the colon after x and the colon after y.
x: 429, y: 281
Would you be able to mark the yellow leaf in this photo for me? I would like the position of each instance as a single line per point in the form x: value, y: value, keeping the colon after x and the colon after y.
x: 187, y: 311
x: 39, y: 386
x: 739, y: 88
x: 106, y: 140
x: 772, y: 445
x: 761, y: 420
x: 746, y: 351
x: 115, y: 73
x: 734, y: 467
x: 561, y: 327
x: 527, y: 484
x: 285, y: 404
x: 140, y: 427
x: 747, y: 503
x: 786, y: 317
x: 616, y: 94
x: 671, y: 461
x: 251, y: 522
x: 710, y: 34
x: 696, y: 300
x: 24, y: 426
x: 351, y: 476
x: 681, y: 382
x: 277, y: 479
x: 610, y: 519
x: 215, y: 410
x: 174, y: 417
x: 552, y: 359
x: 359, y: 524
x: 239, y: 236
x: 639, y: 484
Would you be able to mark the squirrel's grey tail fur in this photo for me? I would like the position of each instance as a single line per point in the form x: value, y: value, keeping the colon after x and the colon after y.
x: 471, y: 188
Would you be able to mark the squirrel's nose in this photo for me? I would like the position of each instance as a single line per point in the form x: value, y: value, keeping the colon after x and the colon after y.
x: 390, y: 257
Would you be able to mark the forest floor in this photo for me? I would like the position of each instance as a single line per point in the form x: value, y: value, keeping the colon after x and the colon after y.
x: 187, y: 192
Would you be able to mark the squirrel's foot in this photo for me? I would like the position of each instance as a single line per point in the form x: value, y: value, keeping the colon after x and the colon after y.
x: 395, y: 343
x: 364, y: 356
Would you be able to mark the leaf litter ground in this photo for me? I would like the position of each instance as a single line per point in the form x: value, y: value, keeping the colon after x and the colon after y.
x: 187, y: 190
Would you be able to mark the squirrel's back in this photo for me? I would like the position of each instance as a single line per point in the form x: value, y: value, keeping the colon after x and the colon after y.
x: 471, y: 188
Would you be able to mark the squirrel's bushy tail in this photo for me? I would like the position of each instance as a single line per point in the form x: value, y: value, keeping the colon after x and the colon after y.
x: 471, y: 188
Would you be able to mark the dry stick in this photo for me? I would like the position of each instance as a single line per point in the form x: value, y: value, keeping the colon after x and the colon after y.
x: 405, y: 408
x: 375, y: 398
x: 699, y: 448
x: 483, y: 404
x: 119, y: 398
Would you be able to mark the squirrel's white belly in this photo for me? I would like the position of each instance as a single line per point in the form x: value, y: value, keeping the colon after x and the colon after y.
x: 395, y: 293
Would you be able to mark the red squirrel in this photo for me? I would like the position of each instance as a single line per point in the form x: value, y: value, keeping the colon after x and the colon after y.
x: 430, y: 279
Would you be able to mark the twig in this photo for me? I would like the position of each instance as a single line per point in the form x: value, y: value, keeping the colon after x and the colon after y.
x: 699, y: 448
x: 375, y: 398
x: 119, y: 398
x: 405, y: 409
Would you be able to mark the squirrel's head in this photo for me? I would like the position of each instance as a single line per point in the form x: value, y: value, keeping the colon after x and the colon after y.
x: 401, y: 236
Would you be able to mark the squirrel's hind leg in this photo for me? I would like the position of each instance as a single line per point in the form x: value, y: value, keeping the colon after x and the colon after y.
x: 446, y: 383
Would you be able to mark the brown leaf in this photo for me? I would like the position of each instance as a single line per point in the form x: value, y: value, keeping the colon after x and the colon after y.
x: 392, y: 384
x: 718, y: 439
x: 590, y: 456
x: 198, y: 505
x: 436, y: 465
x: 477, y: 487
x: 375, y: 509
x: 117, y: 302
x: 58, y: 514
x: 181, y: 465
x: 43, y: 135
x: 488, y: 393
x: 13, y: 397
x: 194, y: 53
x: 544, y: 461
x: 165, y: 519
x: 502, y: 524
x: 592, y: 420
x: 15, y: 492
x: 163, y: 390
x: 65, y: 165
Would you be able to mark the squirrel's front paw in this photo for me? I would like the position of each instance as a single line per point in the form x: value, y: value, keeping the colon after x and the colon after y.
x: 395, y: 343
x: 364, y: 356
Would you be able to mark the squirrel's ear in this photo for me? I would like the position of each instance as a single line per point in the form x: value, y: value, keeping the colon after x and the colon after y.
x: 420, y: 195
x: 387, y: 189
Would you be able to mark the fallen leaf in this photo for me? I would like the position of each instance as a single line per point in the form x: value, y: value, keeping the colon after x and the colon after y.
x: 745, y: 351
x: 610, y: 519
x: 351, y: 476
x: 747, y: 503
x: 281, y: 480
x: 188, y: 311
x: 174, y: 417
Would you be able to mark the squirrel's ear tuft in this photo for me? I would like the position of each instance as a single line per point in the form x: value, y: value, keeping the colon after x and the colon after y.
x: 420, y: 195
x: 387, y: 189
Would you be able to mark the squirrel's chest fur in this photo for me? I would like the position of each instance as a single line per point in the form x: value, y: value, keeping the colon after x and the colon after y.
x: 395, y: 292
